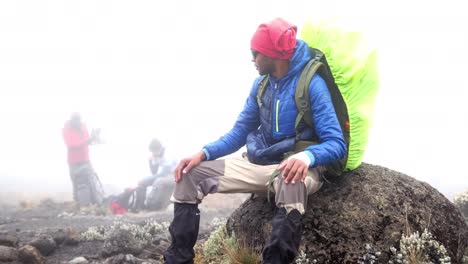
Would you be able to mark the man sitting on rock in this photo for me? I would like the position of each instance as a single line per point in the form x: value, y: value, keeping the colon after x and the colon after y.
x: 160, y: 167
x: 267, y: 128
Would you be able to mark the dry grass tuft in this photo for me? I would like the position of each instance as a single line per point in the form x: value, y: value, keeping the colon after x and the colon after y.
x: 241, y: 253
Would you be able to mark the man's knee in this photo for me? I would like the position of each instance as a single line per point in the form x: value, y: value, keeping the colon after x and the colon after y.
x: 195, y: 185
x: 291, y: 196
x: 145, y: 182
x: 311, y: 184
x: 186, y: 189
x: 282, y: 186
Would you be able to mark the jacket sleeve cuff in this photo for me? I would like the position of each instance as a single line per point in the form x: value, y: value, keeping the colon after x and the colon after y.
x: 311, y: 157
x: 207, y: 154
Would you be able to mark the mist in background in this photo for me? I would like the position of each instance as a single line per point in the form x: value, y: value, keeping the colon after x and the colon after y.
x: 181, y: 71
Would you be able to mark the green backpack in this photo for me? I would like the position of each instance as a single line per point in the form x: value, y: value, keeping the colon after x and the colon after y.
x: 352, y: 81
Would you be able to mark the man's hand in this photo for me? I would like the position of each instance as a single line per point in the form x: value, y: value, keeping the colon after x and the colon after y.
x: 185, y: 165
x: 295, y: 168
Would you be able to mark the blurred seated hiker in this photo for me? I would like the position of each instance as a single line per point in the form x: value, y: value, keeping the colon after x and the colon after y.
x: 160, y: 167
x: 274, y: 161
x: 87, y: 188
x: 136, y: 199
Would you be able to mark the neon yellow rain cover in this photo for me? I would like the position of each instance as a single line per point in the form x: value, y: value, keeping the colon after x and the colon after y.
x: 355, y: 67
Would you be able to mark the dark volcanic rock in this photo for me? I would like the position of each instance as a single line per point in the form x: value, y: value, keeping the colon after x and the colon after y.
x: 372, y: 205
x: 59, y: 235
x: 29, y: 254
x: 44, y: 243
x: 8, y: 239
x: 72, y: 237
x: 8, y: 254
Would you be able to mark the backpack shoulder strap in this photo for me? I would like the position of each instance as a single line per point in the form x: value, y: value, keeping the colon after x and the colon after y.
x: 318, y: 64
x: 302, y: 90
x: 261, y: 89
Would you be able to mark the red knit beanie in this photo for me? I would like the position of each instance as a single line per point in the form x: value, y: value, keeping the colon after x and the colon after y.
x: 276, y: 39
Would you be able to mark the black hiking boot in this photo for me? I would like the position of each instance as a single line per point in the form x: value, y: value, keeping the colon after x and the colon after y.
x: 283, y: 245
x: 184, y: 234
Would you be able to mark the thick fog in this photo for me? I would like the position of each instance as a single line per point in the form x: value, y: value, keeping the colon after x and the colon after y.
x: 181, y: 71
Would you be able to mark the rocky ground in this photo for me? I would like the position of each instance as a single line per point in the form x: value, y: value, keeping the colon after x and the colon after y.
x: 372, y: 206
x: 56, y: 230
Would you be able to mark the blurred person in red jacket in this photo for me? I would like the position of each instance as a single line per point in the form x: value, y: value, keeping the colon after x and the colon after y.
x: 87, y: 188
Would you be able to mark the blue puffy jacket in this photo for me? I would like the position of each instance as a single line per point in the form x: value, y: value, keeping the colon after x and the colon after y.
x: 268, y: 132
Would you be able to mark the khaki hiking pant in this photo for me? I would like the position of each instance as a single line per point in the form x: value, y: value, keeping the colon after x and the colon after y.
x: 238, y: 175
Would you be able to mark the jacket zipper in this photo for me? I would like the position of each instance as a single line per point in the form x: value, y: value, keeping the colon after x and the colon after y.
x: 277, y: 121
x: 277, y: 109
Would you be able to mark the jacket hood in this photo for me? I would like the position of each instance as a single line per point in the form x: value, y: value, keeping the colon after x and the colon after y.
x: 299, y: 59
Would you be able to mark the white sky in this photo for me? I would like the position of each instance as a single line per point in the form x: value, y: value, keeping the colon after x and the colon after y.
x: 181, y: 70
